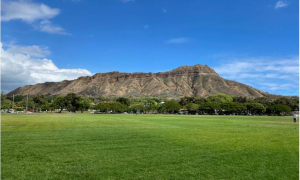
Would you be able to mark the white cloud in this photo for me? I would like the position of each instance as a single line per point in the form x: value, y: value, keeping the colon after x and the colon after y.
x: 34, y: 50
x: 46, y: 26
x: 178, y: 40
x: 164, y: 10
x: 19, y: 68
x: 267, y: 74
x: 126, y: 1
x: 27, y: 11
x: 281, y: 4
x: 241, y: 66
x: 35, y: 14
x: 276, y: 86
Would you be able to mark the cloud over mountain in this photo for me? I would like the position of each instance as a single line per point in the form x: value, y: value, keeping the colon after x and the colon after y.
x: 22, y: 65
x: 269, y: 74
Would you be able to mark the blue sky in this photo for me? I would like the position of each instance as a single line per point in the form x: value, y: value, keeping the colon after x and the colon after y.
x: 252, y: 42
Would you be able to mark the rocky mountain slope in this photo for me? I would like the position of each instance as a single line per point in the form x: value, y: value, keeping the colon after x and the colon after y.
x: 198, y: 80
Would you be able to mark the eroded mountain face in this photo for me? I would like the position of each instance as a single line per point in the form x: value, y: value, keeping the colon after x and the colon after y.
x: 198, y: 80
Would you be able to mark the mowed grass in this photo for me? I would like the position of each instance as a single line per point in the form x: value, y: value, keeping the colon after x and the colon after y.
x: 93, y: 146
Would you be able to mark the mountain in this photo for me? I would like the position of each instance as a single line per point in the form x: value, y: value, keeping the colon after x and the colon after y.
x: 197, y: 80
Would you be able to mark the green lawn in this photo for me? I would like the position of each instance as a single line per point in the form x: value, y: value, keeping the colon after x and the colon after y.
x: 93, y: 146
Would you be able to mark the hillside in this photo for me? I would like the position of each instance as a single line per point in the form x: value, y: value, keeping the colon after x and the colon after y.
x: 197, y: 80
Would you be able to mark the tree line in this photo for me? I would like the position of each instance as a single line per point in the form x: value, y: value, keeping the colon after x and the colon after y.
x: 220, y: 104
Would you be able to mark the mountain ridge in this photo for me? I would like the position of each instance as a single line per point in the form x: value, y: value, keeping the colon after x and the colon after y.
x: 197, y: 80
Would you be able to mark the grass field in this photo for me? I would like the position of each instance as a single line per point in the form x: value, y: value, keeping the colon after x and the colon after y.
x: 87, y: 146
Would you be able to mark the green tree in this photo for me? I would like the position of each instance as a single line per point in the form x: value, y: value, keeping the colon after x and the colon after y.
x: 185, y: 100
x: 84, y: 104
x: 156, y: 100
x: 278, y: 109
x: 151, y: 105
x: 39, y: 101
x: 171, y: 106
x: 117, y: 107
x: 31, y: 104
x: 151, y: 108
x: 192, y: 108
x: 242, y: 99
x: 255, y: 108
x: 124, y: 101
x: 137, y: 107
x: 292, y: 102
x: 16, y: 98
x: 103, y: 107
x: 295, y: 103
x: 45, y: 107
x: 200, y: 100
x: 233, y: 107
x: 59, y: 103
x: 5, y: 103
x: 72, y: 102
x: 210, y: 108
x: 219, y: 98
x: 265, y: 101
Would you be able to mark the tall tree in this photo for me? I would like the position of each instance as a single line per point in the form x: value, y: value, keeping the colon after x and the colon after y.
x: 278, y: 109
x: 255, y: 108
x: 31, y: 104
x: 293, y: 103
x: 192, y: 108
x: 233, y: 107
x: 5, y: 103
x: 103, y: 107
x: 72, y: 102
x: 39, y: 102
x: 137, y: 107
x: 200, y: 100
x: 171, y: 106
x: 59, y: 103
x: 219, y: 98
x: 118, y: 107
x: 210, y: 107
x: 84, y: 104
x: 124, y: 101
x: 264, y: 101
x: 185, y: 100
